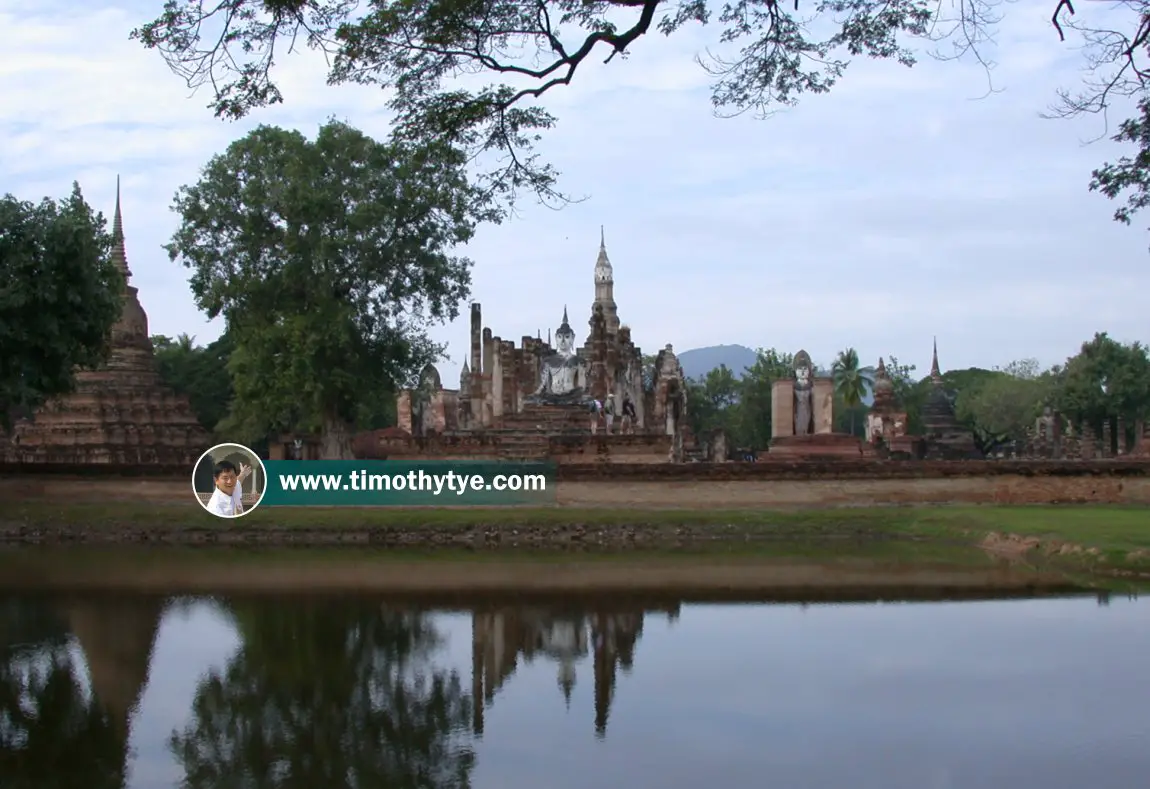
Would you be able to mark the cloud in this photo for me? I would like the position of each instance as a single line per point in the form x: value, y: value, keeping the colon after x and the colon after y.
x: 898, y: 207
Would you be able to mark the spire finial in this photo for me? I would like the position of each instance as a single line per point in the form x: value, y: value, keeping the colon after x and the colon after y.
x: 565, y: 313
x: 118, y: 218
x: 602, y: 238
x: 935, y: 375
x: 119, y: 251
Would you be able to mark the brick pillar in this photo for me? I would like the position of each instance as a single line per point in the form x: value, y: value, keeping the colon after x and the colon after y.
x: 597, y: 346
x: 782, y: 408
x: 1121, y: 436
x: 1106, y: 438
x: 477, y: 339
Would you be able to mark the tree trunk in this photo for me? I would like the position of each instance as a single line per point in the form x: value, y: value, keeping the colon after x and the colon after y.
x: 336, y: 440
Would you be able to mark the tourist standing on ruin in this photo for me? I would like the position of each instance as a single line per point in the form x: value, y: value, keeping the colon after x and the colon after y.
x: 609, y: 412
x: 596, y: 410
x: 628, y: 423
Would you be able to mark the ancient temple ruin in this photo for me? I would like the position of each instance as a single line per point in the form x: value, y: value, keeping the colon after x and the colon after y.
x: 533, y: 400
x: 120, y: 414
x: 944, y: 437
x: 887, y: 426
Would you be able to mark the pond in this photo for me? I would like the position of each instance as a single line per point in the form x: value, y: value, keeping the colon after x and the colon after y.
x: 107, y: 689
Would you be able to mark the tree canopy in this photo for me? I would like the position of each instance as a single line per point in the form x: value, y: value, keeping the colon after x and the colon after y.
x: 60, y: 294
x: 765, y: 54
x: 328, y: 259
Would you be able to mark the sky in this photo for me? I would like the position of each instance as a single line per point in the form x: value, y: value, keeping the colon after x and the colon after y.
x: 904, y: 205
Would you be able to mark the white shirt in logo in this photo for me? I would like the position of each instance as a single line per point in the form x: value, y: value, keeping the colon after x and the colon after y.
x: 224, y: 505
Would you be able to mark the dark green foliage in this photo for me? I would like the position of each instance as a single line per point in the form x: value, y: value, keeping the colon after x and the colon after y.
x: 60, y: 294
x: 329, y: 259
x: 1106, y: 381
x: 741, y: 407
x: 852, y: 383
x: 198, y: 372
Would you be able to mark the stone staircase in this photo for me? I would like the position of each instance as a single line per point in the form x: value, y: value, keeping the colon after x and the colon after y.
x: 524, y: 436
x: 572, y: 418
x: 521, y: 445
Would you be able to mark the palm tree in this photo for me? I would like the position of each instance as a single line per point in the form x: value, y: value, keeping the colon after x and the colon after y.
x: 851, y: 381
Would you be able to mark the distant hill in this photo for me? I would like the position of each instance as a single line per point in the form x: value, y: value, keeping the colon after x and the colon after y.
x: 697, y: 362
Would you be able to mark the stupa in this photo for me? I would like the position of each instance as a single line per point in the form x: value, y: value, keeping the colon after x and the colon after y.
x: 945, y: 438
x: 121, y: 414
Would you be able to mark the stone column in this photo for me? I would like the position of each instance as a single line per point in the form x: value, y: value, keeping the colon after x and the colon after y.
x: 476, y: 339
x: 822, y: 401
x: 782, y: 408
x: 1106, y: 438
x: 1121, y: 436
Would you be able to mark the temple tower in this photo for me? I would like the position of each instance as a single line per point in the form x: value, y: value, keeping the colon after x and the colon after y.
x: 605, y: 287
x: 120, y: 414
x: 946, y: 438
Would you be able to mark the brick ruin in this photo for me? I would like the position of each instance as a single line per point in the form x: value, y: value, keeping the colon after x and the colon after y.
x: 120, y: 414
x: 1055, y: 437
x: 503, y: 408
x: 887, y: 426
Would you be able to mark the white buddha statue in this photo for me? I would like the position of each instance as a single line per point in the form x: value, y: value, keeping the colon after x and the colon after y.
x: 562, y: 373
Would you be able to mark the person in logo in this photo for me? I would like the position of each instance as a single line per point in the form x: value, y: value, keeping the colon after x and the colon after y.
x: 227, y: 498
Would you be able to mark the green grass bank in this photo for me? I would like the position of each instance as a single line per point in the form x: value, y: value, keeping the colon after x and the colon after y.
x: 1115, y: 536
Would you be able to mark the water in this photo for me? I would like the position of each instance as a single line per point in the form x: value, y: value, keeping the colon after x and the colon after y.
x: 323, y: 692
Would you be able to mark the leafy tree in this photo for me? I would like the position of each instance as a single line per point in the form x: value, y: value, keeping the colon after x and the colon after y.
x: 1105, y: 381
x: 768, y: 54
x: 60, y: 295
x: 714, y: 400
x: 329, y: 259
x: 1002, y: 406
x: 754, y: 423
x: 200, y: 373
x: 907, y: 393
x: 340, y: 693
x: 851, y: 382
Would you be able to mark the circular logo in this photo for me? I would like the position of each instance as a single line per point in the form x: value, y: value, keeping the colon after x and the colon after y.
x: 229, y: 480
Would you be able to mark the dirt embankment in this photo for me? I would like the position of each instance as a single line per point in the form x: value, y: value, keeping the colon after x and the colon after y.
x: 713, y: 577
x: 684, y: 492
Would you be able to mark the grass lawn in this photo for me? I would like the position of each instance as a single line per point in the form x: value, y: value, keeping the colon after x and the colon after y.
x: 1111, y: 528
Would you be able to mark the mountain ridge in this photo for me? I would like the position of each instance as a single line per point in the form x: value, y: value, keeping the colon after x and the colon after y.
x: 697, y: 362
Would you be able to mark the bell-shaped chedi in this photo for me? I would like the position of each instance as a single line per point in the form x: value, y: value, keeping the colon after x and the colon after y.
x: 121, y: 414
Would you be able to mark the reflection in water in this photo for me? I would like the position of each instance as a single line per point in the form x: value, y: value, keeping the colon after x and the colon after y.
x: 500, y: 636
x: 336, y: 693
x: 359, y: 693
x: 53, y: 731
